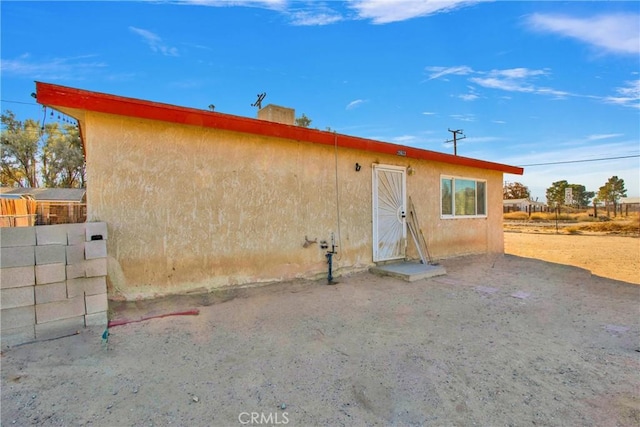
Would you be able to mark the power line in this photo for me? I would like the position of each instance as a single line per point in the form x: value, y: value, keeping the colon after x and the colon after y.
x: 17, y: 102
x: 581, y: 161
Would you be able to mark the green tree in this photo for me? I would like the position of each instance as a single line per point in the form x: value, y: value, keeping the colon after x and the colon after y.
x: 580, y: 195
x: 515, y: 190
x: 31, y: 154
x: 62, y: 157
x: 19, y: 151
x: 611, y: 192
x: 555, y: 193
x: 303, y: 121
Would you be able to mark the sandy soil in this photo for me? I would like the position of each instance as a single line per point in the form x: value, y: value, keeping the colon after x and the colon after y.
x: 615, y: 257
x: 500, y: 340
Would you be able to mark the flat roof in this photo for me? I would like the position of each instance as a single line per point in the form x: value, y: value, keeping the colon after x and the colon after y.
x: 56, y: 96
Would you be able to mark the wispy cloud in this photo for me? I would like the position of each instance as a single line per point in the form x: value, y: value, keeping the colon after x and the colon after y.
x: 468, y: 97
x: 428, y: 113
x: 355, y: 104
x: 614, y: 33
x: 525, y: 80
x: 155, y: 42
x: 269, y: 4
x: 464, y: 117
x: 604, y: 136
x: 387, y: 11
x: 471, y: 96
x: 318, y: 13
x: 70, y: 68
x: 511, y: 80
x: 627, y: 96
x: 307, y: 18
x: 439, y: 72
x: 313, y: 14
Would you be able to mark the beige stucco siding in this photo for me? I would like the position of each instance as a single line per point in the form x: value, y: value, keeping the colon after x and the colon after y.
x: 199, y: 208
x: 459, y: 236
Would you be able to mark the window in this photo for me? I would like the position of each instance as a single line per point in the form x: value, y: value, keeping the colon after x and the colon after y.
x: 463, y: 197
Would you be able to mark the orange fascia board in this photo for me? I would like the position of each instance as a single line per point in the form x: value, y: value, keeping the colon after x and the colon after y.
x: 54, y: 96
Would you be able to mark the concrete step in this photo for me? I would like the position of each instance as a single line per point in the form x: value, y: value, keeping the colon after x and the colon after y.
x: 409, y: 271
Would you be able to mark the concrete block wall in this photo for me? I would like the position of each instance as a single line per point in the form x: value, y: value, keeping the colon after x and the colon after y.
x: 53, y: 280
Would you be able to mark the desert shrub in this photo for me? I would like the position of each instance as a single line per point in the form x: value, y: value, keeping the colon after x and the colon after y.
x: 516, y: 216
x: 621, y: 227
x: 564, y: 217
x: 539, y: 216
x: 585, y: 218
x: 573, y: 229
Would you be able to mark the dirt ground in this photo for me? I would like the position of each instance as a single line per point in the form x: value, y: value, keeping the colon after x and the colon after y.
x: 498, y: 341
x: 614, y: 257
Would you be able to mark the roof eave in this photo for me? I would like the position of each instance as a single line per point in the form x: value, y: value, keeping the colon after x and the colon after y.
x: 61, y: 96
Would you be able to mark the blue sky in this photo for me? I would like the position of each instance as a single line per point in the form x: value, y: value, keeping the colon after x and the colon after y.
x: 527, y: 82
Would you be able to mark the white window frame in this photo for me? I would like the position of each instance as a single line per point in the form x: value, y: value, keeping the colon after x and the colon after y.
x: 453, y: 179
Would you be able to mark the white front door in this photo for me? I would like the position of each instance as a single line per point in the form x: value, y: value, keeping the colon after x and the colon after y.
x: 389, y: 207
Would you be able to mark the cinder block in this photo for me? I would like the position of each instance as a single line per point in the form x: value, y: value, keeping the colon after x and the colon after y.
x: 96, y: 319
x: 75, y: 287
x: 95, y: 249
x: 19, y: 256
x: 75, y: 253
x: 51, y: 234
x: 17, y: 236
x: 15, y: 336
x: 95, y: 285
x: 95, y: 267
x: 50, y: 273
x: 95, y: 229
x: 86, y: 286
x: 51, y: 292
x: 17, y: 297
x: 51, y: 254
x: 96, y: 303
x: 59, y: 328
x: 75, y: 234
x: 75, y: 270
x: 17, y: 317
x: 49, y: 312
x: 16, y: 277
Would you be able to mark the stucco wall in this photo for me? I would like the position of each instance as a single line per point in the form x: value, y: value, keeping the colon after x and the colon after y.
x: 198, y: 208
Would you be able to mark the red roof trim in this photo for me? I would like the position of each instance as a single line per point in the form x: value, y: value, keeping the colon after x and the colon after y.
x: 62, y: 96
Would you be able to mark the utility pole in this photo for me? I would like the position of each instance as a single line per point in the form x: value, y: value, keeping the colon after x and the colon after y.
x: 456, y: 139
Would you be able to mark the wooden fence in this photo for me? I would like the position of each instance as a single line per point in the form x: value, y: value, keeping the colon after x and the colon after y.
x: 29, y: 212
x: 17, y: 212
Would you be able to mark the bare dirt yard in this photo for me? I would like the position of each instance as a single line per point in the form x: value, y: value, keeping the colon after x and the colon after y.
x: 611, y: 256
x: 499, y: 341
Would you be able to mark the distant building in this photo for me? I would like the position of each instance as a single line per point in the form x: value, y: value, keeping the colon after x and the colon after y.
x: 629, y: 204
x: 54, y: 205
x: 523, y: 205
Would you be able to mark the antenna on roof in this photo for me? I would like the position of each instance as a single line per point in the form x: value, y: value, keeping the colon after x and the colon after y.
x: 258, y: 103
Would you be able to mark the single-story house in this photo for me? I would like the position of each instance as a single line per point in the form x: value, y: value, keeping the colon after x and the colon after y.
x: 522, y: 205
x: 198, y: 200
x: 55, y: 205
